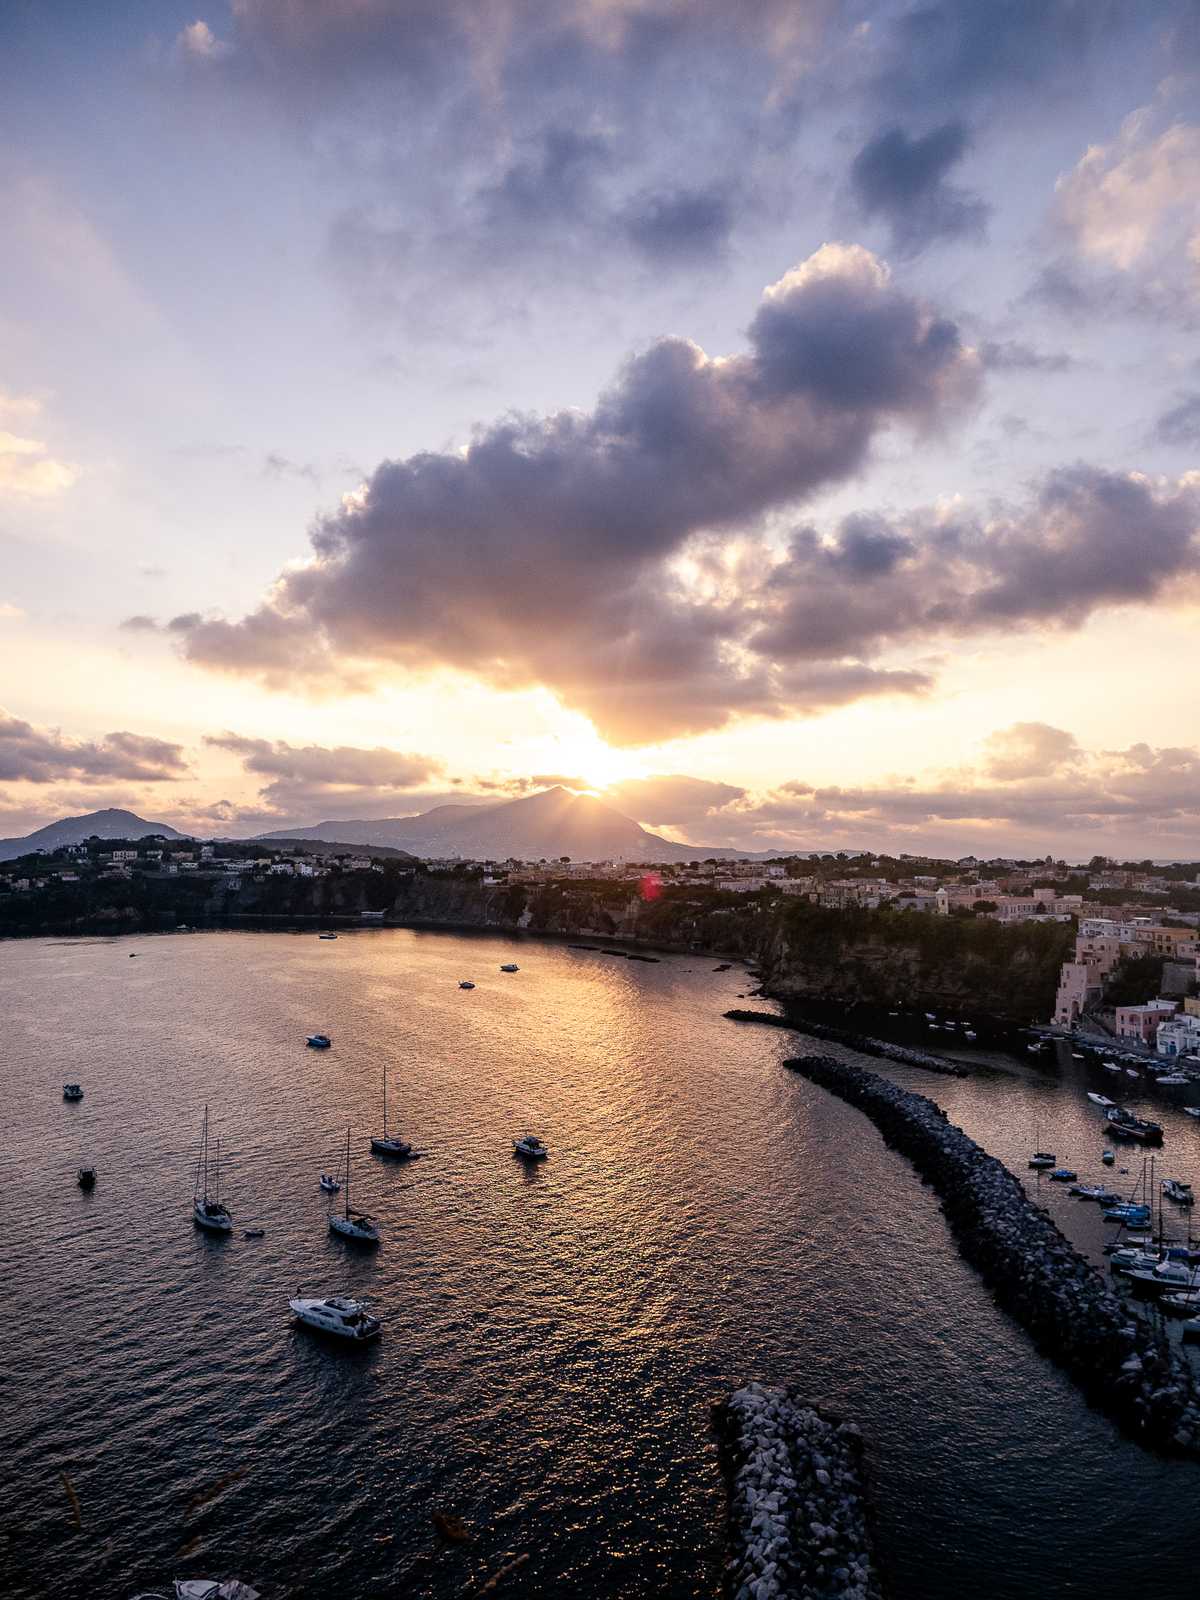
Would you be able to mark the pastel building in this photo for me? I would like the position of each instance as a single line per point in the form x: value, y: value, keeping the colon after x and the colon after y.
x: 1141, y: 1023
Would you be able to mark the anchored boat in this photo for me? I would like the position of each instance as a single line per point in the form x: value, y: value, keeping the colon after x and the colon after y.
x: 207, y: 1210
x: 357, y: 1225
x: 345, y: 1319
x: 393, y: 1144
x: 530, y: 1148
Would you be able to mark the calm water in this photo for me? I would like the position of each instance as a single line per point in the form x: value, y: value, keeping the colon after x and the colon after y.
x: 553, y: 1339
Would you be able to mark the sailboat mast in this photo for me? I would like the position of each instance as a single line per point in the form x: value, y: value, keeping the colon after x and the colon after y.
x: 385, y: 1100
x: 347, y: 1174
x: 205, y: 1150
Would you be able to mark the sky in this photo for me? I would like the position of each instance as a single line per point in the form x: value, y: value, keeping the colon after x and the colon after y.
x: 782, y: 419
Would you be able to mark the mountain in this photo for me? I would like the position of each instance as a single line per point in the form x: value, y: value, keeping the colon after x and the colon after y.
x: 552, y: 823
x: 74, y: 830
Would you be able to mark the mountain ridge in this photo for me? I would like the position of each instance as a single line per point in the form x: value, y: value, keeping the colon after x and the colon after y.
x: 554, y: 822
x: 111, y: 823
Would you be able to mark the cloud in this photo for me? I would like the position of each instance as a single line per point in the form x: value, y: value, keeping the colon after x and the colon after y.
x: 1129, y: 212
x: 673, y: 801
x: 139, y: 624
x: 1180, y: 425
x: 1011, y: 355
x: 302, y: 778
x: 1029, y: 750
x: 450, y: 559
x: 902, y: 180
x: 197, y: 42
x: 27, y: 469
x: 44, y: 755
x: 681, y: 225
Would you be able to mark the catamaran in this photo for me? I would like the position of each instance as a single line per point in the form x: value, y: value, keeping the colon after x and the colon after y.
x: 207, y: 1210
x: 357, y: 1225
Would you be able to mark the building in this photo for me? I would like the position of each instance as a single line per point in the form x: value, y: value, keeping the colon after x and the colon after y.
x: 1141, y: 1023
x: 1178, y: 1036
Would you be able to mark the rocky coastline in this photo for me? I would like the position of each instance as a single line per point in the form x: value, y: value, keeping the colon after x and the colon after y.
x: 798, y: 1515
x: 903, y: 1055
x: 1126, y: 1368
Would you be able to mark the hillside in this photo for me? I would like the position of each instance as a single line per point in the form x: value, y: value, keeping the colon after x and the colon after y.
x: 109, y: 824
x: 547, y: 825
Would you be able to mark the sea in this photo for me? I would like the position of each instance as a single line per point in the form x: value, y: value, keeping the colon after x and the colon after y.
x: 554, y: 1337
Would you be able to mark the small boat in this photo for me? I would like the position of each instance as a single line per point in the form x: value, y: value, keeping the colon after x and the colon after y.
x: 1173, y: 1275
x: 86, y: 1177
x: 1187, y: 1303
x: 327, y: 936
x: 1033, y: 1047
x: 1110, y: 1066
x: 253, y: 1233
x: 465, y: 983
x: 1100, y: 1099
x: 1107, y: 1157
x: 1063, y: 1175
x: 356, y: 1225
x: 1191, y: 1328
x: 1173, y: 1080
x: 1131, y: 1072
x: 389, y: 1145
x: 1095, y: 1191
x: 207, y: 1211
x: 330, y: 1184
x: 530, y: 1148
x: 208, y: 1589
x: 968, y: 1033
x: 1078, y: 1055
x: 1192, y: 1111
x: 1180, y: 1192
x: 1130, y: 1214
x: 345, y: 1319
x: 509, y: 966
x: 318, y: 1041
x: 1133, y: 1258
x: 1123, y: 1124
x: 72, y: 1091
x: 1042, y: 1158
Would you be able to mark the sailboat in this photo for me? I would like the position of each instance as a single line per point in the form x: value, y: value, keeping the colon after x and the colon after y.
x: 207, y: 1210
x: 353, y: 1224
x: 395, y: 1145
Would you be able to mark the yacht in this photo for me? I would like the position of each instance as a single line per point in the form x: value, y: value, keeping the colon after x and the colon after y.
x: 509, y: 966
x: 465, y: 983
x: 1100, y: 1099
x: 1043, y: 1158
x: 1178, y: 1191
x: 346, y: 1319
x: 530, y: 1148
x: 393, y: 1144
x: 205, y: 1589
x: 356, y: 1225
x: 318, y: 1041
x: 207, y: 1210
x: 72, y: 1091
x: 86, y: 1177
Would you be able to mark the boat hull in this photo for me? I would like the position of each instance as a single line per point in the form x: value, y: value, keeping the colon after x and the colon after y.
x: 211, y: 1224
x: 352, y: 1232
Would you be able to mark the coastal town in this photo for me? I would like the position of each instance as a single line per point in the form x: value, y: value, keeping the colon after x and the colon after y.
x: 1129, y: 934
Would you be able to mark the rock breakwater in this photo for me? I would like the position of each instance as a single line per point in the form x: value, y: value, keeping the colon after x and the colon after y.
x: 1126, y: 1368
x: 863, y: 1043
x: 798, y: 1516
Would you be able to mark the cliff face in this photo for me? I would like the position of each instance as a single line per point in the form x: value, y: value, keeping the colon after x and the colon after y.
x: 939, y: 962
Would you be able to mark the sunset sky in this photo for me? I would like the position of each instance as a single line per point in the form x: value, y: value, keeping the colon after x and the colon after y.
x: 783, y: 418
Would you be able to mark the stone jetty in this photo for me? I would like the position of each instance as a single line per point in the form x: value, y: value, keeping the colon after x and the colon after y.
x: 798, y: 1521
x: 863, y: 1043
x: 1125, y: 1367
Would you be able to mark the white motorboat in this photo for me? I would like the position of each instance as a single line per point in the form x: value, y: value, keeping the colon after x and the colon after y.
x: 1178, y: 1191
x: 1192, y: 1111
x: 205, y: 1589
x: 327, y: 936
x: 357, y: 1225
x: 1110, y: 1066
x: 72, y: 1091
x: 1174, y: 1275
x: 530, y: 1148
x: 509, y: 966
x: 1100, y: 1099
x: 465, y: 983
x: 207, y: 1211
x: 969, y: 1033
x: 1173, y: 1080
x: 318, y: 1041
x: 386, y: 1144
x: 345, y: 1319
x: 1094, y: 1191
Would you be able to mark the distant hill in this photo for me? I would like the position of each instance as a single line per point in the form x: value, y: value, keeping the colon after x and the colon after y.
x: 301, y: 847
x: 553, y: 823
x: 74, y: 830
